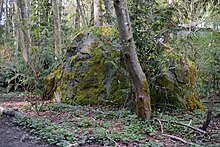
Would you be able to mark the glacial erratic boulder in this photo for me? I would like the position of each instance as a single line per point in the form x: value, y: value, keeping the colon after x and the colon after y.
x: 91, y: 71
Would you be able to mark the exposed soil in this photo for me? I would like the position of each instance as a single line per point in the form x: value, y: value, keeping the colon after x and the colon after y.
x: 13, y: 136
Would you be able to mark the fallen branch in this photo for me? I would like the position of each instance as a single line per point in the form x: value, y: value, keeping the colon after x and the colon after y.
x: 180, y: 139
x: 186, y: 125
x: 116, y: 144
x: 161, y: 126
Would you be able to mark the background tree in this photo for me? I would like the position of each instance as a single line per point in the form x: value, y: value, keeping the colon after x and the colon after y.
x: 56, y: 13
x: 97, y: 6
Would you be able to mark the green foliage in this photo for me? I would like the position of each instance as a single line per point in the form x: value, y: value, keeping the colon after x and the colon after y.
x: 19, y: 76
x: 103, y: 124
x: 12, y: 77
x: 87, y: 126
x: 155, y: 27
x: 45, y: 129
x: 207, y: 61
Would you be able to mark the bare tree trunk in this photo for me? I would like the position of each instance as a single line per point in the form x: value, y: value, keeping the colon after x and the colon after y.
x: 1, y: 7
x: 98, y: 13
x: 25, y: 18
x: 79, y: 8
x: 209, y: 112
x: 142, y: 92
x: 16, y: 31
x: 92, y: 14
x: 84, y: 12
x: 57, y: 26
x: 77, y: 17
x: 6, y: 21
x: 19, y: 9
x: 109, y: 11
x: 28, y: 22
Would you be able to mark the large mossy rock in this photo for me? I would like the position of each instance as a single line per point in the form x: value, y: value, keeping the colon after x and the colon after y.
x: 90, y: 72
x: 175, y: 85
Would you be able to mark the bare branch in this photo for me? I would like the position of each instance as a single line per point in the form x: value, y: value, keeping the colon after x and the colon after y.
x: 180, y: 139
x: 186, y: 125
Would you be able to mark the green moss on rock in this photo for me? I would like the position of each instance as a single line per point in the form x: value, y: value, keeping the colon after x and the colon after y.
x: 90, y: 73
x: 175, y: 86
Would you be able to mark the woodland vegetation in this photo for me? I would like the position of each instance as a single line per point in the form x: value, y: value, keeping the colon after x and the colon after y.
x: 112, y: 72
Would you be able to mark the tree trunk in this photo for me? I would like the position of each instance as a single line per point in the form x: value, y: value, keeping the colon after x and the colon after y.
x: 92, y: 14
x: 77, y: 17
x: 98, y: 12
x: 25, y: 19
x: 16, y: 31
x: 19, y: 8
x: 6, y: 20
x: 28, y: 22
x: 109, y: 11
x: 1, y: 7
x: 79, y: 8
x: 142, y: 92
x: 56, y: 14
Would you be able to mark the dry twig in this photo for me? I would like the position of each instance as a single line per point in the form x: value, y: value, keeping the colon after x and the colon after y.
x: 186, y: 125
x: 180, y: 139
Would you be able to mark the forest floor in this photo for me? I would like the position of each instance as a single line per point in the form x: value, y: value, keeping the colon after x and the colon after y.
x: 61, y: 125
x: 14, y: 136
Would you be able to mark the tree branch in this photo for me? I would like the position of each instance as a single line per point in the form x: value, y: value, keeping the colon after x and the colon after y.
x: 186, y: 125
x: 180, y: 139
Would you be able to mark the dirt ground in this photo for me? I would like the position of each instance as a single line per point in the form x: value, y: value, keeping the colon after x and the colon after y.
x: 13, y: 136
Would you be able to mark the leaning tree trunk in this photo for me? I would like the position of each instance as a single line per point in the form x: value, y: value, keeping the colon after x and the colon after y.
x: 142, y: 92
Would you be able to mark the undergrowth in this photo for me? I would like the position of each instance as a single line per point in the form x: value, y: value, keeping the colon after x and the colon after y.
x: 84, y: 125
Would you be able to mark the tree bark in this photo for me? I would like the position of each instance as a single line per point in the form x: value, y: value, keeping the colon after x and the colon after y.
x: 79, y: 8
x: 20, y: 9
x: 142, y: 92
x: 92, y: 14
x: 98, y: 13
x: 209, y: 112
x: 16, y: 31
x: 77, y: 17
x: 28, y: 22
x: 1, y: 7
x: 109, y: 11
x: 56, y: 14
